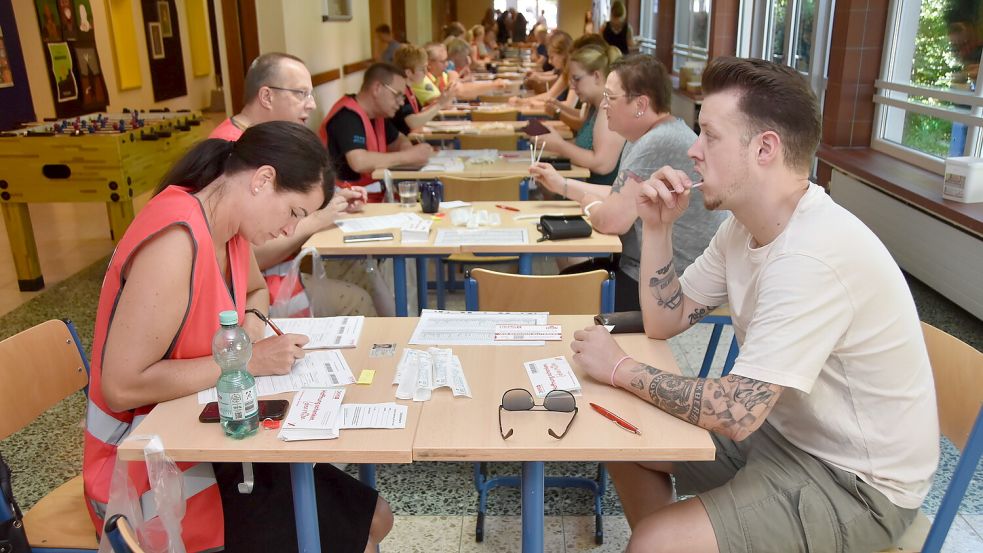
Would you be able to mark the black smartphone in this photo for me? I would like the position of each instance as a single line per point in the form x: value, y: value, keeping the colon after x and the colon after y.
x: 274, y: 409
x: 368, y: 237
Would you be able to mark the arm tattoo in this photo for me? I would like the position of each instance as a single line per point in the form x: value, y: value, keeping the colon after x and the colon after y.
x: 659, y: 284
x: 733, y: 404
x: 700, y: 312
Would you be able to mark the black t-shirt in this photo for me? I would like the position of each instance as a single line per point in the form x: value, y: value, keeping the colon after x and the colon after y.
x: 399, y: 120
x: 346, y: 133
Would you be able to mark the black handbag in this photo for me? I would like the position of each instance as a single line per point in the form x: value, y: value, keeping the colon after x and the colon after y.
x: 624, y: 322
x: 13, y: 537
x: 559, y: 227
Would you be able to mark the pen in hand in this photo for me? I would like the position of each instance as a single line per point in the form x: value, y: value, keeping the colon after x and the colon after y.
x: 616, y: 419
x: 266, y: 320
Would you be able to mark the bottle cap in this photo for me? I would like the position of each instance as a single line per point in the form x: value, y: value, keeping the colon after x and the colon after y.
x: 228, y: 318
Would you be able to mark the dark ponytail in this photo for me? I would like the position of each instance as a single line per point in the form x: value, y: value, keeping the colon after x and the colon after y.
x: 294, y: 151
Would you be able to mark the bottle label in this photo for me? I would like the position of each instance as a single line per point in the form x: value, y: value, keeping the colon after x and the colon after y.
x: 238, y: 405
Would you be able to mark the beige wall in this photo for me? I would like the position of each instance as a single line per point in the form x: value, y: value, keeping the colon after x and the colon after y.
x: 570, y: 16
x: 295, y: 27
x: 470, y: 12
x: 419, y: 29
x: 199, y: 89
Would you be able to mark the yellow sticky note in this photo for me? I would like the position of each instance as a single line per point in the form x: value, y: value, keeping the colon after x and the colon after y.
x: 366, y: 376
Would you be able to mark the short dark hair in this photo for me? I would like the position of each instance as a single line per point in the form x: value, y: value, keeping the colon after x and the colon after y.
x: 643, y: 75
x: 263, y: 71
x: 773, y: 97
x: 293, y: 150
x: 380, y: 73
x: 384, y: 29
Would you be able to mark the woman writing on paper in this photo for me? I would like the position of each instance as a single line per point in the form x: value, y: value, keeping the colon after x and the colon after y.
x: 186, y: 257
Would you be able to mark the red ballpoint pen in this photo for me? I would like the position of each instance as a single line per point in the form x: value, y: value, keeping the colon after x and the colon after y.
x: 616, y: 419
x: 509, y: 208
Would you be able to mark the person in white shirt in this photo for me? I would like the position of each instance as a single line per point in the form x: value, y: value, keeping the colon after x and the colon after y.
x: 826, y: 428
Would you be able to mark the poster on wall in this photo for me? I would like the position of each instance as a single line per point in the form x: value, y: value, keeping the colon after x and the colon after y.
x: 164, y: 49
x: 6, y: 73
x: 77, y: 82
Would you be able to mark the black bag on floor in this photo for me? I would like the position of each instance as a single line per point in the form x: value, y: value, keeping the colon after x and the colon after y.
x: 13, y: 537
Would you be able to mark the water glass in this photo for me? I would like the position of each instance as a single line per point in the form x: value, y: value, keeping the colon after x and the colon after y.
x: 408, y: 190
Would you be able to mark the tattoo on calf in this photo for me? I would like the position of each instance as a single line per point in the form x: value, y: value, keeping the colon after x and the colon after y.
x: 659, y: 284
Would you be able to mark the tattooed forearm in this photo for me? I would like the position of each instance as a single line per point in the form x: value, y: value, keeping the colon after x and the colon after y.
x: 733, y: 405
x: 699, y: 313
x: 666, y: 288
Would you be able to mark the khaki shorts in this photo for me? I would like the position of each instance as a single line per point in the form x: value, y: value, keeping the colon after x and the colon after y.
x: 765, y: 494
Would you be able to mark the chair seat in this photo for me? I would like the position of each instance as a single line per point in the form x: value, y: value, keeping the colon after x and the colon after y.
x: 61, y: 520
x: 913, y: 538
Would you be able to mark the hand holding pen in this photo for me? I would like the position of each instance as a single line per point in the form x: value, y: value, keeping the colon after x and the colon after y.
x: 275, y: 355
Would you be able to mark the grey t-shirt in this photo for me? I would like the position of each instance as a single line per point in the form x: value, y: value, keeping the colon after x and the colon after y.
x: 666, y: 144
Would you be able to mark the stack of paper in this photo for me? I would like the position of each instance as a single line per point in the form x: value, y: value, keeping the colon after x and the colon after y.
x: 314, y: 415
x: 554, y: 373
x: 373, y: 415
x: 444, y: 165
x: 420, y: 372
x: 416, y: 231
x: 378, y: 222
x: 471, y: 328
x: 528, y: 333
x: 324, y: 332
x: 481, y: 237
x: 320, y: 368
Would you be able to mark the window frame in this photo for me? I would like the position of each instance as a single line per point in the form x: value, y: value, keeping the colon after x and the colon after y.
x: 687, y: 50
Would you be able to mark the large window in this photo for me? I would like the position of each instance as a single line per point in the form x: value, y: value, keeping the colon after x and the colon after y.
x: 692, y: 31
x: 928, y: 96
x: 531, y: 10
x: 648, y: 26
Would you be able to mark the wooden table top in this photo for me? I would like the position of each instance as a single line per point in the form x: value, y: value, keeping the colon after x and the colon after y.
x: 509, y: 163
x: 329, y: 242
x: 446, y: 130
x: 448, y: 428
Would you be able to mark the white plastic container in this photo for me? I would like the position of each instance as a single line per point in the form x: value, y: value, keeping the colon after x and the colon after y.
x: 963, y: 180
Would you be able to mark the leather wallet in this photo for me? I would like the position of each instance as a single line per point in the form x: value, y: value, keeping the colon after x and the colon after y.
x: 625, y: 322
x: 559, y: 227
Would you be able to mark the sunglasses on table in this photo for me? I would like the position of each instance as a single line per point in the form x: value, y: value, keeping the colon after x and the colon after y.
x: 519, y: 399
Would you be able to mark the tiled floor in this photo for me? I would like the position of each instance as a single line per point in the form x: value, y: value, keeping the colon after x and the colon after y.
x: 72, y: 236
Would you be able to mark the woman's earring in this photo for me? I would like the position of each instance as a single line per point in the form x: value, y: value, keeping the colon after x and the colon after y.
x: 638, y: 114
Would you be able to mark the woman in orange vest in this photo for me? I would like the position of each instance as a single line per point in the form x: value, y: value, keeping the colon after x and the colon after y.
x: 186, y: 257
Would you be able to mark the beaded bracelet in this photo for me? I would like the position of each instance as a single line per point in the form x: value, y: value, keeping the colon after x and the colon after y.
x: 615, y: 369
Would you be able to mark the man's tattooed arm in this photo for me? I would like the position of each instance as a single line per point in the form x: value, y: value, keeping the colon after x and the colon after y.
x: 665, y: 287
x: 733, y: 406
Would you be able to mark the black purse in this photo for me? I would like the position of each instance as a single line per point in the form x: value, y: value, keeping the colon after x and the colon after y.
x: 559, y: 227
x: 13, y: 537
x: 624, y: 322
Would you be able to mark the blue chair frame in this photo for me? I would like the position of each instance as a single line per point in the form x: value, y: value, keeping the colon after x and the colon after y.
x: 718, y: 322
x: 484, y: 483
x: 969, y: 459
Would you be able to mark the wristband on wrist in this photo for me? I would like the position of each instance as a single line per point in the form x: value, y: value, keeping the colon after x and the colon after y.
x: 615, y: 369
x: 588, y: 207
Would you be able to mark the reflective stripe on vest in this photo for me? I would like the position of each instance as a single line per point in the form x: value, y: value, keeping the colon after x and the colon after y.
x: 193, y: 481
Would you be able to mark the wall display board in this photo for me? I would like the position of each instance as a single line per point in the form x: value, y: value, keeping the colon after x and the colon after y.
x: 77, y: 83
x: 164, y: 49
x: 15, y: 94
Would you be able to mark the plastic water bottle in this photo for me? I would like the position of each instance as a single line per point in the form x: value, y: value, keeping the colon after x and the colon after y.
x: 237, y: 405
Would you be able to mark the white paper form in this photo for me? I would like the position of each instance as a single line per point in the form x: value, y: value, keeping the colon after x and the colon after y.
x: 481, y: 237
x: 319, y: 368
x: 416, y: 231
x: 554, y: 373
x: 315, y: 414
x: 444, y: 164
x: 466, y: 154
x: 378, y: 222
x: 420, y: 372
x: 373, y: 415
x: 324, y: 332
x: 470, y: 328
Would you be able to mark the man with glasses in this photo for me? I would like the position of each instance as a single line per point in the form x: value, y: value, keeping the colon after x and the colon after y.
x: 361, y: 136
x: 278, y: 87
x: 826, y: 429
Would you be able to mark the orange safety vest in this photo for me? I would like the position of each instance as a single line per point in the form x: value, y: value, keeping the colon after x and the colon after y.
x: 411, y: 98
x: 203, y: 525
x: 375, y: 141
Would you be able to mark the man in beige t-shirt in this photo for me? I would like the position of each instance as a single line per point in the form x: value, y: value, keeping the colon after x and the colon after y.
x: 826, y: 428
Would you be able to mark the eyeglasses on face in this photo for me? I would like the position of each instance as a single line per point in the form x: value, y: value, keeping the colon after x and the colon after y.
x: 608, y: 97
x: 519, y: 399
x: 301, y: 94
x: 400, y: 97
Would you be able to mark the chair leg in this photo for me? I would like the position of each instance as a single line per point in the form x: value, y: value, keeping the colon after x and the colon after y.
x: 441, y: 298
x: 731, y: 356
x: 602, y: 476
x: 711, y: 349
x: 481, y: 484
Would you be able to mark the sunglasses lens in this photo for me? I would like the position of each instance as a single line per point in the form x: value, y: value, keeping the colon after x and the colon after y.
x: 517, y: 400
x: 560, y: 400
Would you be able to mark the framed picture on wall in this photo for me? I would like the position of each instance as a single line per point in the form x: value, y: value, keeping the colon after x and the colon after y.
x: 336, y: 10
x: 164, y: 16
x: 156, y: 41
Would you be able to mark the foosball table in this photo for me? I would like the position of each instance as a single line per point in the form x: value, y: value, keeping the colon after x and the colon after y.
x: 102, y: 157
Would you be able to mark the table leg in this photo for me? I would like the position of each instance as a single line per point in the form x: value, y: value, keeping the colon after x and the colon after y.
x: 20, y: 233
x: 421, y: 283
x: 366, y: 473
x: 305, y: 507
x: 120, y: 216
x: 525, y: 264
x: 533, y: 518
x: 399, y: 283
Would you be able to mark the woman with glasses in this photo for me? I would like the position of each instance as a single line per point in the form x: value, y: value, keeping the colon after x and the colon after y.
x: 636, y: 100
x: 595, y: 147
